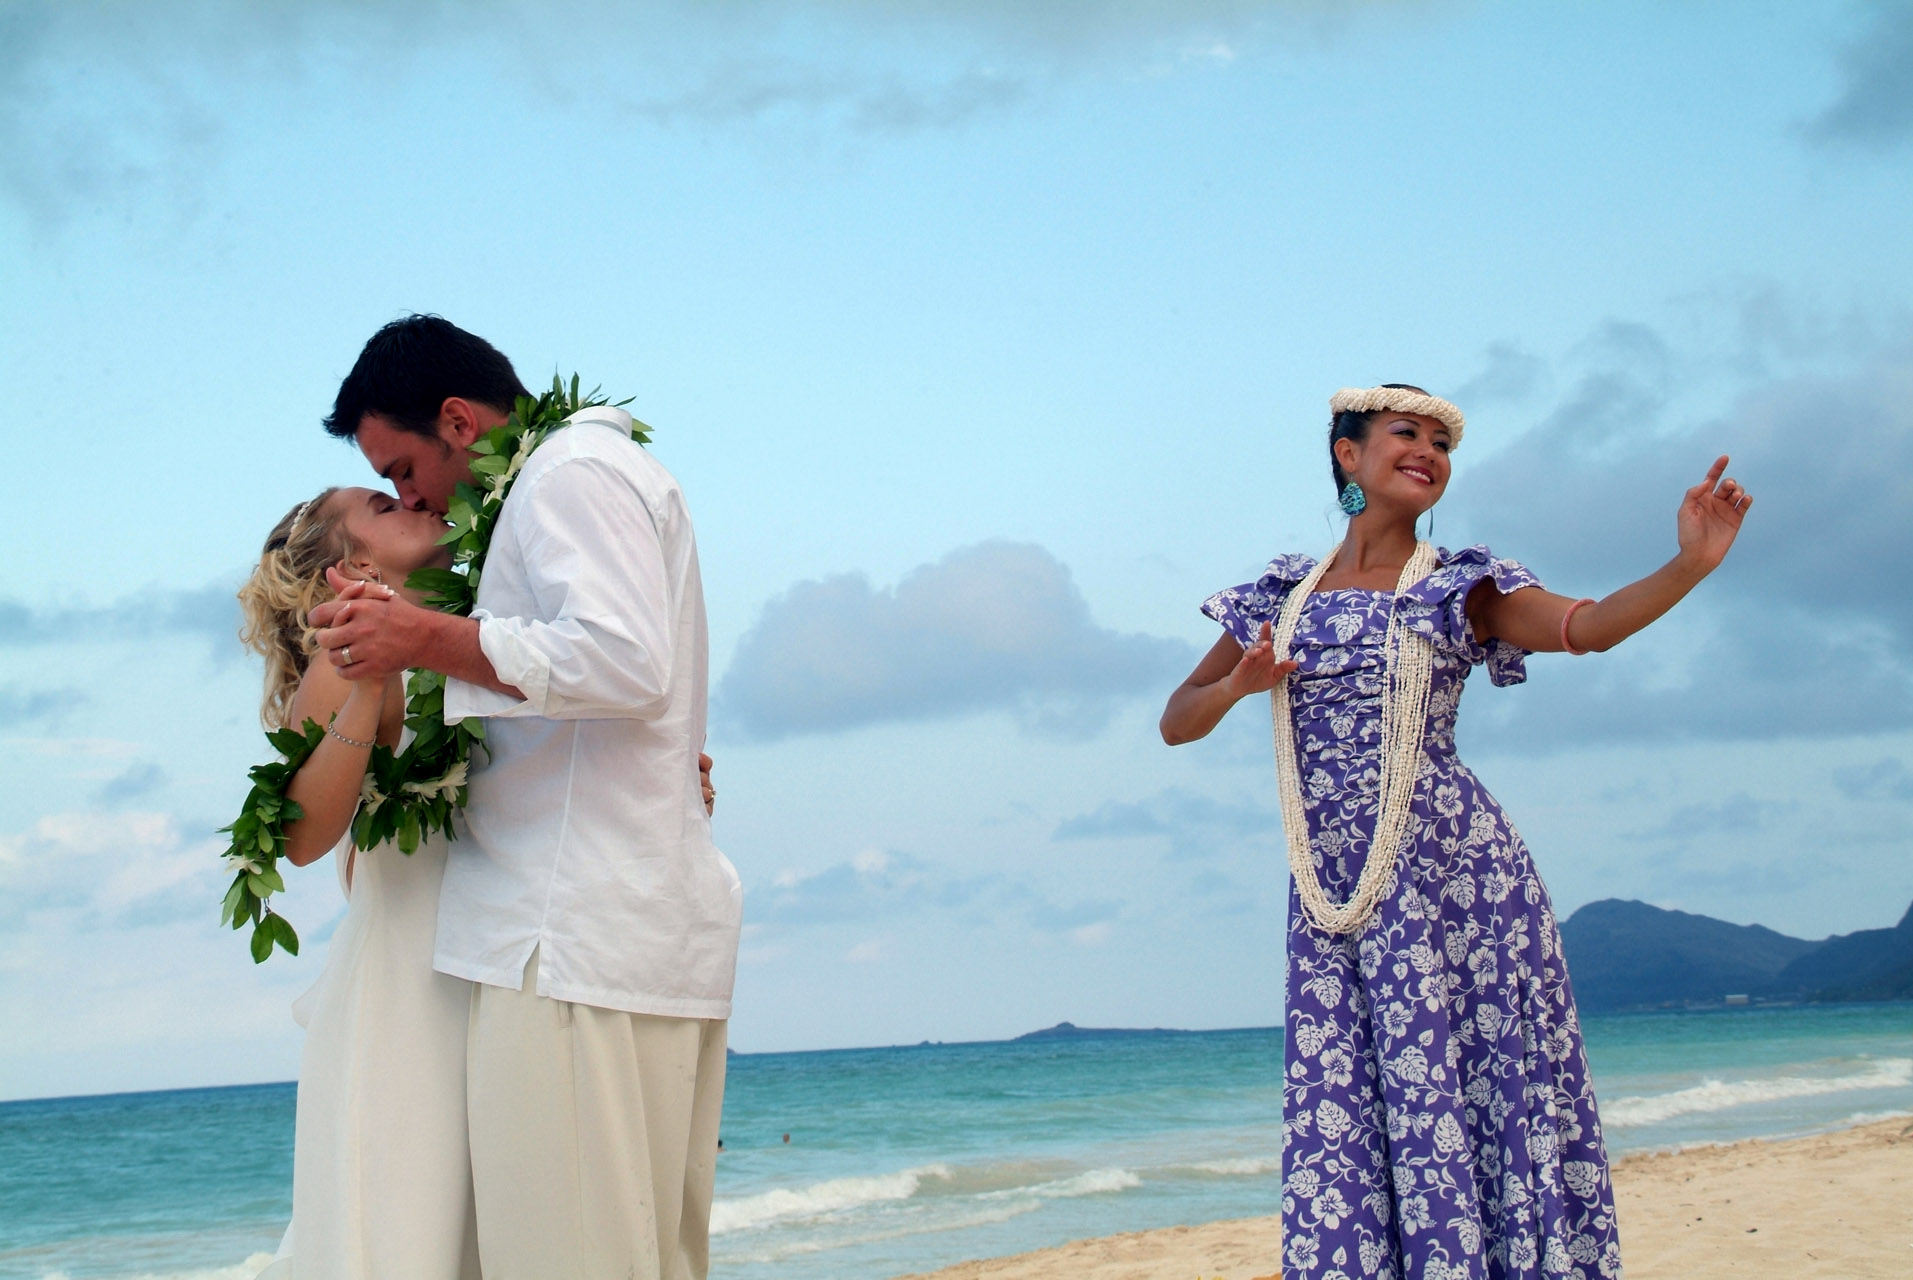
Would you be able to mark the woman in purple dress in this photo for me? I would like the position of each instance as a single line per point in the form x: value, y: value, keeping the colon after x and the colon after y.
x: 1437, y: 1115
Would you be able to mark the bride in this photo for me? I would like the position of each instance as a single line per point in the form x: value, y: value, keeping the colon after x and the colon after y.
x: 382, y: 1182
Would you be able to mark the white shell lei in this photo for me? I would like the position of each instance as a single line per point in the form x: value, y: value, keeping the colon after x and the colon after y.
x: 1408, y: 672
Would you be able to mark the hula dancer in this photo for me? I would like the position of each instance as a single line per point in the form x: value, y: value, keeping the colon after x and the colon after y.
x: 1438, y: 1118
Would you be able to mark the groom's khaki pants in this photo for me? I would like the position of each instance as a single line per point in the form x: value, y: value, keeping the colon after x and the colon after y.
x: 594, y: 1137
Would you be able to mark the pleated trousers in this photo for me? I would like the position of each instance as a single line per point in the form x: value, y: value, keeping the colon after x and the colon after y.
x: 594, y: 1137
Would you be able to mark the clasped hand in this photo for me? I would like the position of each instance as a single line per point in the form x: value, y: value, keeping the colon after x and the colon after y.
x: 368, y: 631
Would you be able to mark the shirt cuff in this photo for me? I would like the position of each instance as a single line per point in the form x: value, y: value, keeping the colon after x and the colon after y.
x: 515, y: 662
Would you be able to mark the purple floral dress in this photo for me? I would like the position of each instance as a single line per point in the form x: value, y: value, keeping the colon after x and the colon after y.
x: 1438, y: 1119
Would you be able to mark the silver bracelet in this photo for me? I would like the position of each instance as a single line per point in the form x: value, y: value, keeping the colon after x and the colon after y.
x: 350, y: 742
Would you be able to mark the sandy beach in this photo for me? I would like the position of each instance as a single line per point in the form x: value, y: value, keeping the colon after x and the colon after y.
x: 1835, y: 1205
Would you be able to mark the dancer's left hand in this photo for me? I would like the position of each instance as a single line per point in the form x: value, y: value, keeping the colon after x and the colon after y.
x: 1710, y: 517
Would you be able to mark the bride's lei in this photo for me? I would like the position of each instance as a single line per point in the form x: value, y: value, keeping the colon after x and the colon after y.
x: 406, y: 795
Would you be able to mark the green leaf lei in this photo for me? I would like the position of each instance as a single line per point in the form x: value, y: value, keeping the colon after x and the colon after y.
x: 406, y: 795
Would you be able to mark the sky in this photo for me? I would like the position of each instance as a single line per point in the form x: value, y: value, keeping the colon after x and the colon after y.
x: 986, y: 339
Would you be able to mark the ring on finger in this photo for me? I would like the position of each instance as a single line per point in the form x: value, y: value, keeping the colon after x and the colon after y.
x: 346, y: 653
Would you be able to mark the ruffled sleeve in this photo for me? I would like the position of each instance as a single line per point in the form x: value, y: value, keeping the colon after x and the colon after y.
x: 1437, y: 609
x: 1242, y: 610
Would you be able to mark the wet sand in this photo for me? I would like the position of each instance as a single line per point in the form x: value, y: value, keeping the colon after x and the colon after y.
x: 1834, y: 1205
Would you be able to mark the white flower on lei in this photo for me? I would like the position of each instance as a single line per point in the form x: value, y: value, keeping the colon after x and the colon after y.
x: 454, y: 779
x: 236, y: 864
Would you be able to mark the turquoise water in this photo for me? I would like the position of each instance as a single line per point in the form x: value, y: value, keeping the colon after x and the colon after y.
x: 904, y: 1159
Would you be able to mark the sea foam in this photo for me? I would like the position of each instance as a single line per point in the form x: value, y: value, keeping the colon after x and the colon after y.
x: 820, y: 1198
x: 1719, y: 1095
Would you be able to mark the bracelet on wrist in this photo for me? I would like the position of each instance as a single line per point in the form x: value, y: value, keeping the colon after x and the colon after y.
x: 1567, y: 645
x: 331, y: 727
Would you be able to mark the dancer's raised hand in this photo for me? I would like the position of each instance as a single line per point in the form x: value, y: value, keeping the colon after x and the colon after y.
x: 1258, y: 671
x: 1710, y: 516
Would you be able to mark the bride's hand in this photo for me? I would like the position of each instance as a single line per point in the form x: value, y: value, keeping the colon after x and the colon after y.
x: 364, y: 631
x: 1258, y: 671
x: 704, y: 781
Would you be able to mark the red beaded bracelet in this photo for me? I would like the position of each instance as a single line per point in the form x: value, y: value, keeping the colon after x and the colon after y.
x: 1566, y: 643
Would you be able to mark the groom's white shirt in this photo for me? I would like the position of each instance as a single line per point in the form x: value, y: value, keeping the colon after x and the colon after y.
x: 586, y: 835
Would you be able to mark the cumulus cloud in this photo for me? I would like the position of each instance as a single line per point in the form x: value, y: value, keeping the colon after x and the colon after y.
x: 109, y: 869
x: 1874, y: 106
x: 1887, y: 779
x: 211, y: 611
x: 18, y: 706
x: 135, y: 782
x: 880, y: 885
x: 106, y: 99
x: 1196, y: 825
x: 998, y: 626
x: 1800, y: 632
x: 1510, y: 374
x: 1738, y: 815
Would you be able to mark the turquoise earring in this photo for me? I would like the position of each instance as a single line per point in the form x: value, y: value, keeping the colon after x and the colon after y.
x: 1352, y: 499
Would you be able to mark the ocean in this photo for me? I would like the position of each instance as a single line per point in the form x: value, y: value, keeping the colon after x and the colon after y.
x: 908, y: 1158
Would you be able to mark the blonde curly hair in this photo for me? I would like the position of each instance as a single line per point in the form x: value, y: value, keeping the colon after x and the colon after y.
x: 285, y: 586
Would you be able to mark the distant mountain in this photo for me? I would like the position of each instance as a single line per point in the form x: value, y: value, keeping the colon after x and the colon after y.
x: 1070, y: 1031
x: 1629, y: 955
x: 1873, y: 964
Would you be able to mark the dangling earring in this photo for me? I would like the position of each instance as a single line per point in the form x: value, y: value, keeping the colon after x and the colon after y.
x: 1352, y: 499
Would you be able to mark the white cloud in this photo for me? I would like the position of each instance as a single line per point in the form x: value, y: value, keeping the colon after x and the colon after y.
x: 997, y: 626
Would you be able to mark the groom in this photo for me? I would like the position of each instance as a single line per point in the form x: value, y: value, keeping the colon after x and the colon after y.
x: 586, y: 902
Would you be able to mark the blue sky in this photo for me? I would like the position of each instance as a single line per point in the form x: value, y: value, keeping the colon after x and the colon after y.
x: 986, y: 340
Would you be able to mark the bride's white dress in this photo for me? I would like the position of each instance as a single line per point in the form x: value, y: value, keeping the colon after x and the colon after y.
x: 382, y: 1183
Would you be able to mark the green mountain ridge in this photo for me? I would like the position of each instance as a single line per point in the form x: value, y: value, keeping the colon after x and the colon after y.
x: 1625, y: 954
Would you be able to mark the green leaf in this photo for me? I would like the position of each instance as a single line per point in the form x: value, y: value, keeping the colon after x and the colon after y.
x: 230, y: 906
x: 283, y: 933
x: 409, y: 832
x: 261, y: 942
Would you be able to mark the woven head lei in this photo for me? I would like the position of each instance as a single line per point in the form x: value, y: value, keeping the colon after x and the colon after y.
x: 1401, y: 400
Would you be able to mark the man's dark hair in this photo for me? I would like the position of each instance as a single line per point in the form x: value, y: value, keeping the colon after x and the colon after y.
x: 411, y: 367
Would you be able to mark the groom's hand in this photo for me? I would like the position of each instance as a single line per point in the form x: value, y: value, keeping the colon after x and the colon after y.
x: 369, y: 631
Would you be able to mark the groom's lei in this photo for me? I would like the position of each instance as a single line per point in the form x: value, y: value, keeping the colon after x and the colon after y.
x: 410, y: 794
